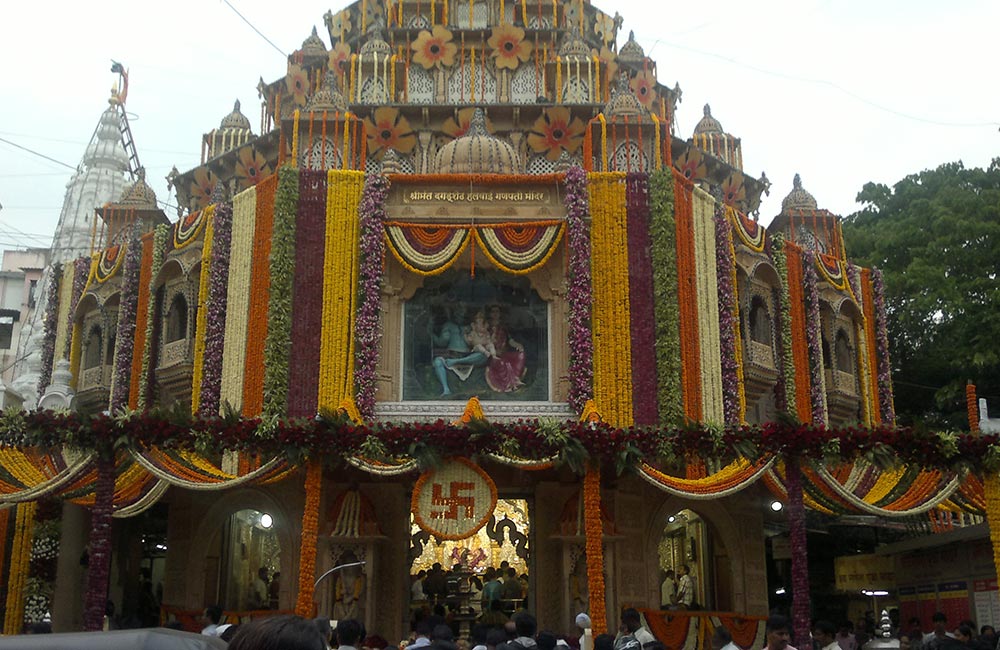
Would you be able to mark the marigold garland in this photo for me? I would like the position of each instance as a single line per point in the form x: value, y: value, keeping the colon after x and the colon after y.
x: 201, y: 323
x: 611, y: 308
x: 869, y: 352
x: 238, y: 297
x: 463, y: 466
x: 972, y: 407
x: 260, y: 281
x: 279, y: 308
x: 797, y: 323
x: 64, y: 325
x: 991, y: 486
x: 472, y: 180
x: 20, y: 555
x: 687, y: 298
x: 594, y: 548
x: 663, y: 253
x: 707, y: 294
x: 310, y: 533
x: 140, y: 383
x: 340, y: 281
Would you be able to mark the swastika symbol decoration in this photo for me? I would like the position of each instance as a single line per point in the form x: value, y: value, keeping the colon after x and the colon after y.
x: 454, y: 500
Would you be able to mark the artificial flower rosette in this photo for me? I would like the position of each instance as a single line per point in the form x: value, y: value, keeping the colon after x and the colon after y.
x: 556, y: 130
x: 434, y: 49
x: 387, y: 128
x: 510, y: 48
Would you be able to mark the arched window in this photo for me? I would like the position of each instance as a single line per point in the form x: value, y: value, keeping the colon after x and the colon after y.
x: 176, y: 326
x: 92, y: 353
x: 845, y: 356
x: 760, y: 321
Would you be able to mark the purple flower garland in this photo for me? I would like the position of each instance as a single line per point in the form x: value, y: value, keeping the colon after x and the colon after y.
x: 99, y: 564
x: 581, y: 344
x: 887, y: 411
x: 49, y: 326
x: 125, y: 337
x: 368, y: 325
x: 728, y: 319
x: 81, y: 273
x: 800, y: 554
x: 784, y: 390
x: 215, y: 320
x: 642, y: 321
x: 814, y: 339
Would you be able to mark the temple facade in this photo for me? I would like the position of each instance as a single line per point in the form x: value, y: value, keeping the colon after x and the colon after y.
x: 465, y: 249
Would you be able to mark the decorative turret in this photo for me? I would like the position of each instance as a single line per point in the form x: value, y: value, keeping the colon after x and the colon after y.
x: 799, y: 198
x: 313, y: 47
x: 711, y: 137
x: 631, y: 52
x: 137, y: 204
x: 233, y: 132
x: 807, y: 225
x: 477, y: 152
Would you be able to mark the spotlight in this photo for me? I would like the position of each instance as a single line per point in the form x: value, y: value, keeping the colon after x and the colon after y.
x: 671, y: 519
x: 780, y: 591
x: 266, y: 521
x: 776, y: 506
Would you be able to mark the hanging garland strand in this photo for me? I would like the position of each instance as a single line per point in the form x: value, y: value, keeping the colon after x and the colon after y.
x: 368, y: 327
x: 814, y: 340
x: 215, y: 322
x: 729, y: 330
x: 882, y: 341
x: 785, y: 390
x: 663, y: 232
x: 800, y: 557
x: 581, y: 345
x: 279, y: 310
x: 99, y: 565
x: 125, y: 337
x: 310, y: 532
x: 594, y: 548
x: 49, y: 326
x: 642, y: 321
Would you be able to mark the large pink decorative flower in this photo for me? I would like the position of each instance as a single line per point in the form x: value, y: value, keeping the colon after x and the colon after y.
x: 297, y: 83
x: 644, y: 86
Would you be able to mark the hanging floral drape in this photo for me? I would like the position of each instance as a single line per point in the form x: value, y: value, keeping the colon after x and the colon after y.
x: 517, y: 247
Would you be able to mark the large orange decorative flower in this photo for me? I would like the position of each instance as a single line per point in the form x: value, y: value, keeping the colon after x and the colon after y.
x: 691, y: 164
x: 388, y: 129
x: 339, y: 23
x: 509, y: 46
x: 433, y: 50
x: 609, y: 59
x: 457, y: 128
x: 604, y: 27
x: 297, y: 83
x: 555, y: 131
x: 644, y: 86
x: 733, y: 190
x: 251, y: 167
x: 201, y: 188
x: 340, y: 57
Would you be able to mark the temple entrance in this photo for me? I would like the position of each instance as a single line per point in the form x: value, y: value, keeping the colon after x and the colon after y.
x: 246, y: 556
x: 483, y: 578
x: 697, y: 563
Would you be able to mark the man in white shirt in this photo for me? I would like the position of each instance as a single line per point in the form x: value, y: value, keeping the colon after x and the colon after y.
x: 423, y: 632
x: 668, y: 591
x: 825, y: 635
x: 685, y: 588
x: 210, y: 618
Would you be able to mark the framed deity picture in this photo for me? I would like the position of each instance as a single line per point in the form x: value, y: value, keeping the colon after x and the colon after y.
x: 485, y: 336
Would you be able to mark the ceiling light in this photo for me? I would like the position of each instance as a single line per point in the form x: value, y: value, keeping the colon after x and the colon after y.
x: 776, y: 506
x: 266, y: 521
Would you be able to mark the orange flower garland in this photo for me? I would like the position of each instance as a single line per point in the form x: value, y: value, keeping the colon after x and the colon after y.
x: 868, y: 309
x: 310, y: 533
x: 594, y: 547
x: 253, y: 380
x: 141, y: 318
x: 687, y: 299
x: 797, y: 314
x: 972, y: 407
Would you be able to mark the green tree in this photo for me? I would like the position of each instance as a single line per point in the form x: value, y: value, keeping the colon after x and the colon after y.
x: 936, y: 237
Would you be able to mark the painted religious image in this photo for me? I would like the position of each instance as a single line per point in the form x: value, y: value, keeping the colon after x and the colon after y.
x: 484, y: 336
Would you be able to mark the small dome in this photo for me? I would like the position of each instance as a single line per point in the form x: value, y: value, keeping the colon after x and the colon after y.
x: 235, y: 120
x: 477, y: 152
x: 708, y: 124
x: 623, y: 101
x: 313, y: 46
x: 574, y: 46
x: 376, y: 44
x: 328, y: 97
x: 631, y: 52
x: 139, y: 194
x: 798, y: 198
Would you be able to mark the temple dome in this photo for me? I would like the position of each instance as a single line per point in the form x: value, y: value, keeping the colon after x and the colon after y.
x: 328, y: 97
x: 139, y: 195
x: 477, y: 152
x: 798, y: 198
x: 623, y: 101
x: 235, y: 120
x: 574, y: 46
x: 313, y: 46
x: 376, y: 44
x: 708, y: 124
x: 631, y: 52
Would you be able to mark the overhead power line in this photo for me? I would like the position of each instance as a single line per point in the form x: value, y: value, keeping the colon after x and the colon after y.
x: 36, y: 153
x: 251, y: 25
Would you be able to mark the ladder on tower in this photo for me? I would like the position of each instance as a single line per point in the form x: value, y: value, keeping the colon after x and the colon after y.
x: 129, y: 143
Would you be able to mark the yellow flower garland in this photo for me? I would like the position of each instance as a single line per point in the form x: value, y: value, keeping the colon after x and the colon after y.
x: 62, y: 317
x: 238, y: 298
x: 202, y: 323
x: 74, y: 353
x: 740, y: 387
x: 20, y: 557
x: 708, y: 307
x: 340, y: 279
x: 611, y: 315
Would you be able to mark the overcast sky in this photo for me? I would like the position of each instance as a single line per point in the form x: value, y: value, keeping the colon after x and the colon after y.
x: 841, y: 91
